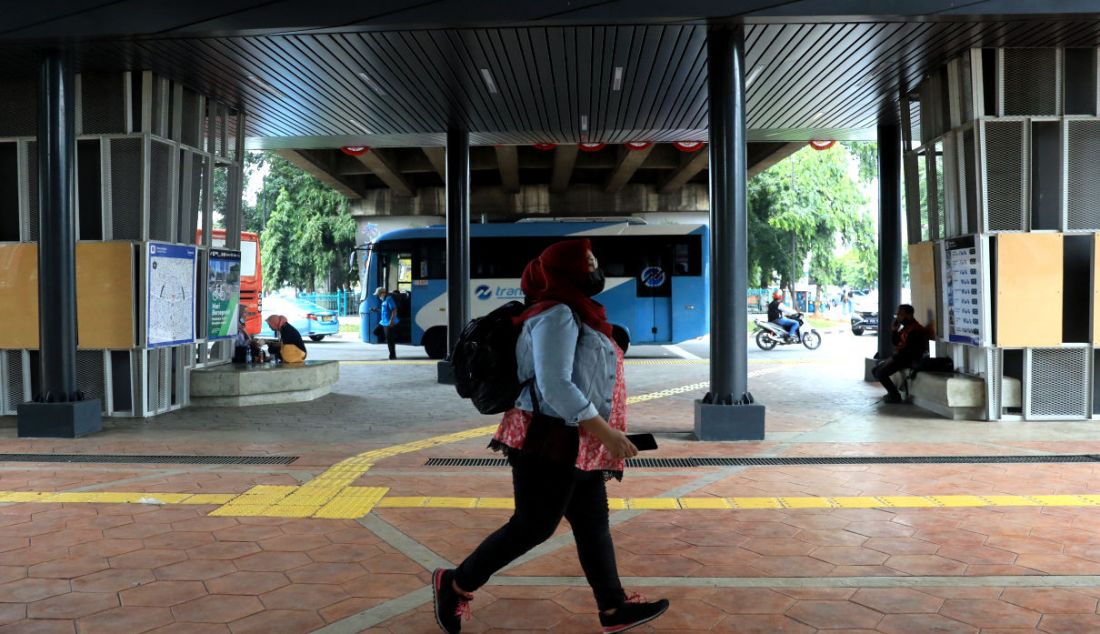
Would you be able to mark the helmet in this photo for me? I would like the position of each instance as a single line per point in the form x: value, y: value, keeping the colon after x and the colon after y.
x: 777, y: 295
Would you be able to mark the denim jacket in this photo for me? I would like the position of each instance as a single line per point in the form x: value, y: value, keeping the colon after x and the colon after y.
x: 574, y: 378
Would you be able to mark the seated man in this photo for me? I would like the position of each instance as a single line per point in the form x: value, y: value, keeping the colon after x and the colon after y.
x: 244, y: 344
x: 910, y: 344
x: 291, y: 348
x: 777, y: 314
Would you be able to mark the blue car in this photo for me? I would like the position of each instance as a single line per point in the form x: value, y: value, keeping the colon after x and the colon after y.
x: 310, y: 319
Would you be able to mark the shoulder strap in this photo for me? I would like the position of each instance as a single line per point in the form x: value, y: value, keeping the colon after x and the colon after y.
x: 531, y: 381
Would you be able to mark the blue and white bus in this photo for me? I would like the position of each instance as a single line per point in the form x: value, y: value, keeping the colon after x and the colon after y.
x: 657, y: 276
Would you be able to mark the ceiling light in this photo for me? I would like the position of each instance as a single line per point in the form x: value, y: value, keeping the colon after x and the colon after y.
x: 617, y: 79
x: 487, y: 77
x: 753, y: 75
x: 265, y: 86
x: 584, y: 123
x: 362, y: 128
x: 373, y: 85
x: 817, y: 116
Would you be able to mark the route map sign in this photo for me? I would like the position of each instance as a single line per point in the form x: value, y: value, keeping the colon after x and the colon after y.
x: 170, y: 303
x: 963, y: 271
x: 223, y: 294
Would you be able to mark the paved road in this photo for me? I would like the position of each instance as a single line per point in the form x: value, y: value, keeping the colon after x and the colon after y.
x: 835, y: 345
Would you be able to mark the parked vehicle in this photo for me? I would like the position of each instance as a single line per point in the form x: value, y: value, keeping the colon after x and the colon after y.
x: 310, y: 319
x: 769, y: 334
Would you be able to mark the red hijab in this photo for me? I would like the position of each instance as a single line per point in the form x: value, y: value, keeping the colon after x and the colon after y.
x: 557, y: 277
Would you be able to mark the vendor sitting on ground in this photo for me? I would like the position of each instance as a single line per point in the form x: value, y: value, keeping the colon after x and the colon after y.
x: 289, y: 348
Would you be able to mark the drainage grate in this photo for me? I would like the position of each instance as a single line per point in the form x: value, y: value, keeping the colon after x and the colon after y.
x: 674, y: 463
x: 121, y: 459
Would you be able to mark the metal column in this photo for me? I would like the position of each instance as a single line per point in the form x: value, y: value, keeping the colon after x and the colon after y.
x: 458, y: 242
x: 889, y: 232
x: 728, y: 411
x: 59, y: 409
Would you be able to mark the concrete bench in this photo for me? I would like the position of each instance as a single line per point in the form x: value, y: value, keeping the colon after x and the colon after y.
x: 238, y: 385
x: 955, y: 396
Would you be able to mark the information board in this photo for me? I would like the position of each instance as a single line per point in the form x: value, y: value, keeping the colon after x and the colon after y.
x: 223, y: 294
x: 963, y: 298
x: 170, y: 303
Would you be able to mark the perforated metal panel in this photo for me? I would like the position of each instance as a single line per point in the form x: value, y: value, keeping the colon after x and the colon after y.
x: 18, y: 108
x: 102, y: 103
x: 993, y: 383
x: 1005, y: 164
x: 968, y: 187
x: 164, y: 384
x: 90, y: 375
x: 126, y: 198
x: 31, y: 176
x: 914, y: 121
x: 160, y: 190
x: 13, y: 378
x: 1031, y: 81
x: 1083, y: 175
x: 190, y: 131
x: 1057, y: 383
x: 231, y: 121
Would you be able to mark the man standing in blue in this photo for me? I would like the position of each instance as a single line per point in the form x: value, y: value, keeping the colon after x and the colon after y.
x: 389, y: 318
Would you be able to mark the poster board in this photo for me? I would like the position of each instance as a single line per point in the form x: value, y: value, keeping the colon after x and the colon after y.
x: 19, y: 296
x: 963, y: 290
x: 105, y: 295
x: 1029, y: 272
x: 922, y: 282
x: 170, y: 294
x: 223, y: 293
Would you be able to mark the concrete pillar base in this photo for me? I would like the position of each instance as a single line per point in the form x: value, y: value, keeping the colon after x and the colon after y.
x: 60, y: 420
x: 445, y: 373
x: 729, y: 422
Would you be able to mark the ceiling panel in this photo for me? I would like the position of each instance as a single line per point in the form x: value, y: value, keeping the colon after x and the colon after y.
x: 555, y: 83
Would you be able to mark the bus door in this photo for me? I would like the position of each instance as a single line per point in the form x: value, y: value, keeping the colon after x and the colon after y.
x: 395, y: 275
x: 653, y: 320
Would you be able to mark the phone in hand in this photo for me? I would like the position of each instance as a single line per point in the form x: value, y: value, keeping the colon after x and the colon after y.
x: 644, y: 442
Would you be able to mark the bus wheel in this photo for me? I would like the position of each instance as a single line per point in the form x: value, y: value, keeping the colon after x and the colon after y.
x: 435, y: 342
x: 316, y: 337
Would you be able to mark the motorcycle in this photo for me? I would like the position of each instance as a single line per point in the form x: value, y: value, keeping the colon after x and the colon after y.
x: 769, y: 335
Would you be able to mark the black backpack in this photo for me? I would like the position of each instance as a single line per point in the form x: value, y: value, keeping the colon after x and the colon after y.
x: 484, y: 360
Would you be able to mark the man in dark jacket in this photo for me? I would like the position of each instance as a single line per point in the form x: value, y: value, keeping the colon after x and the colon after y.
x: 910, y: 344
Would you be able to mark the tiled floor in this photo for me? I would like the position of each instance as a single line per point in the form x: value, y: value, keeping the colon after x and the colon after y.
x: 90, y: 567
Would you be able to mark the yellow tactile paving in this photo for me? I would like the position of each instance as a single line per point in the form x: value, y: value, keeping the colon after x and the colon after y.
x: 352, y: 502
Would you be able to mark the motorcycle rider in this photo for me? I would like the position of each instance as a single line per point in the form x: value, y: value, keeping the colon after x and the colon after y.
x: 777, y: 314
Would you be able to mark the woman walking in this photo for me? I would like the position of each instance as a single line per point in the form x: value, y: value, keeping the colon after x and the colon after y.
x: 564, y: 439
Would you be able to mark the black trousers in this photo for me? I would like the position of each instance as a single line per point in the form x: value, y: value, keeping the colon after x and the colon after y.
x: 883, y: 371
x: 546, y: 491
x: 390, y: 343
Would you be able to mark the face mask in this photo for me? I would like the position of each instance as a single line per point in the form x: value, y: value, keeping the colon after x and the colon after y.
x: 594, y: 285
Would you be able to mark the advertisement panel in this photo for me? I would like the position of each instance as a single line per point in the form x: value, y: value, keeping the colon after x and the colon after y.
x: 223, y: 294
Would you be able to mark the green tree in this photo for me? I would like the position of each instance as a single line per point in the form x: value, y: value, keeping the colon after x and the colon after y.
x: 308, y: 232
x: 808, y: 208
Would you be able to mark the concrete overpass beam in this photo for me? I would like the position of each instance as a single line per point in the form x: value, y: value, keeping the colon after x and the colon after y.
x: 316, y: 165
x: 436, y: 157
x: 380, y: 164
x: 508, y: 163
x: 565, y: 157
x: 629, y: 162
x: 696, y: 163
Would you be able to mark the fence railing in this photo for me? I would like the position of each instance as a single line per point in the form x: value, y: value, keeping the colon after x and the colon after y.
x: 343, y: 302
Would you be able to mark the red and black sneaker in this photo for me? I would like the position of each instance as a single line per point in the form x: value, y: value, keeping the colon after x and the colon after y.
x: 631, y: 614
x: 450, y: 607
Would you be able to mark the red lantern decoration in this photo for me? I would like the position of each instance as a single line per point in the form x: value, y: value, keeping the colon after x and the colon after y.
x: 591, y: 147
x: 688, y: 146
x: 355, y: 150
x: 545, y: 147
x: 638, y: 146
x: 822, y: 145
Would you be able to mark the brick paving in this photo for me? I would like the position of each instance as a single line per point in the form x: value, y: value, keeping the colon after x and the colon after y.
x: 93, y: 567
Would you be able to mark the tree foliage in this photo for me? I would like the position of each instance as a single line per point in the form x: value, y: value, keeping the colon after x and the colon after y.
x: 809, y: 208
x: 306, y: 232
